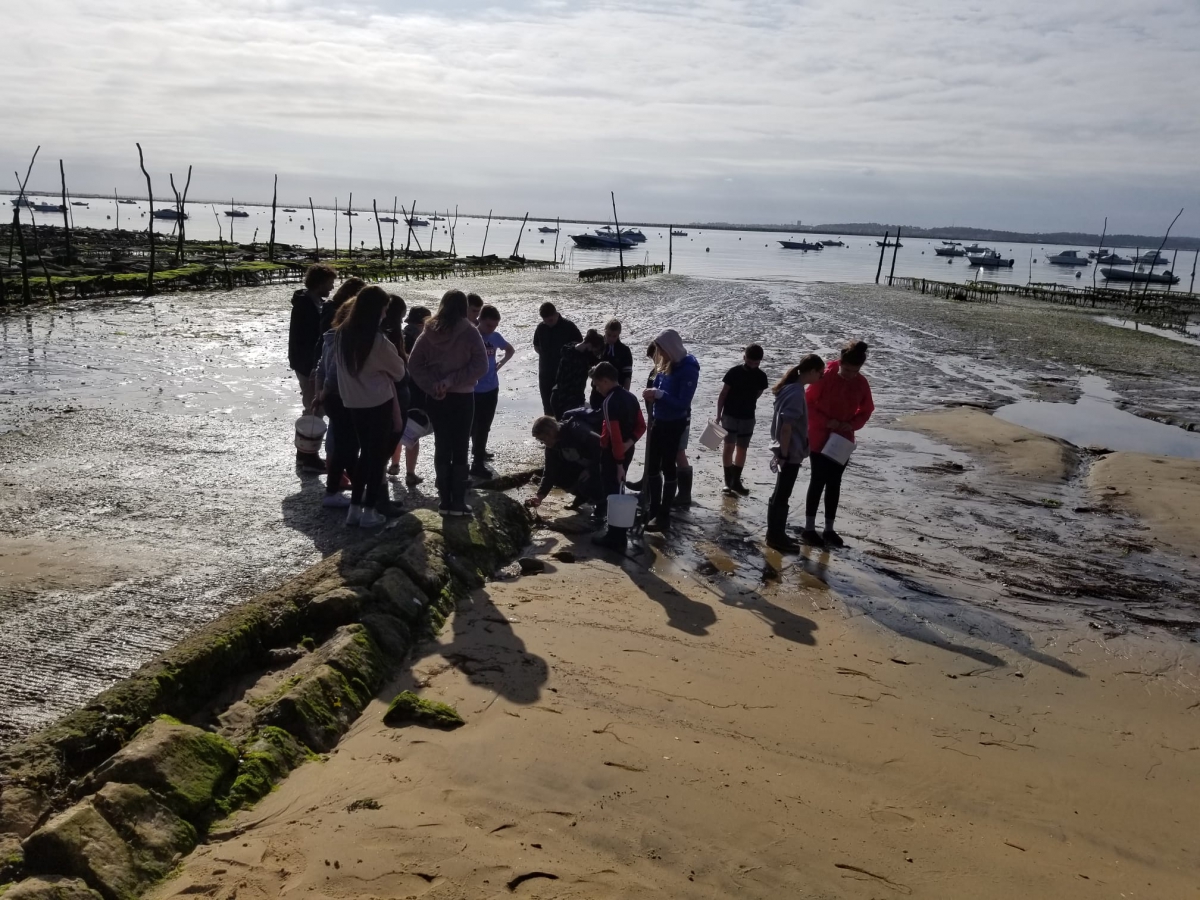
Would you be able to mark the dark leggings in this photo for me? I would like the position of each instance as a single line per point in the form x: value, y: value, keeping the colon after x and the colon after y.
x: 485, y: 414
x: 376, y: 433
x: 827, y: 477
x: 341, y: 446
x: 784, y: 482
x: 451, y: 418
x: 662, y: 449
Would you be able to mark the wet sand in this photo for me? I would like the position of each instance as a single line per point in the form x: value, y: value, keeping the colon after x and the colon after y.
x: 652, y: 728
x: 1015, y: 450
x: 1161, y: 491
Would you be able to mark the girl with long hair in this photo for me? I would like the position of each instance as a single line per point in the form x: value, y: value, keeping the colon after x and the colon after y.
x: 341, y: 442
x: 447, y: 361
x: 368, y: 369
x: 789, y: 445
x: 676, y: 373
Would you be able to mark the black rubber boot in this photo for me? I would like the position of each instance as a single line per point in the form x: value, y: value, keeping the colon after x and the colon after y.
x: 615, y: 539
x: 653, y: 495
x: 662, y: 519
x: 728, y: 480
x: 442, y: 480
x: 735, y: 482
x: 460, y: 480
x: 683, y: 499
x: 777, y: 536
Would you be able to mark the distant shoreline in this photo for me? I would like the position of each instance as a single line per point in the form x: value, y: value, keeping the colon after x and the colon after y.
x: 860, y: 229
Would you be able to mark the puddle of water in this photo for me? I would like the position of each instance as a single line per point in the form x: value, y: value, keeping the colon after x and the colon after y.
x: 1192, y: 335
x: 1094, y: 421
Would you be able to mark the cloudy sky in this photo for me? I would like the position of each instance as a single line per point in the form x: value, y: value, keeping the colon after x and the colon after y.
x: 1027, y: 114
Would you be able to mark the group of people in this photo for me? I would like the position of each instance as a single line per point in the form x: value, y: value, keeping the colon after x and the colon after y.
x: 380, y: 372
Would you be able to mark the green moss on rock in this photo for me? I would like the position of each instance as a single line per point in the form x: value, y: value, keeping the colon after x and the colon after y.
x: 266, y: 758
x: 409, y: 709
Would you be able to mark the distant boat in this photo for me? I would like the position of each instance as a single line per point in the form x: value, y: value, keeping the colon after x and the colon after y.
x: 888, y: 244
x: 237, y: 213
x: 128, y: 202
x: 1139, y: 276
x: 78, y: 203
x: 21, y: 201
x: 833, y: 243
x: 171, y: 214
x: 415, y: 223
x: 437, y: 219
x: 990, y: 259
x: 601, y: 242
x: 950, y: 250
x: 387, y: 220
x: 629, y: 234
x: 349, y: 213
x: 1152, y: 258
x: 48, y: 207
x: 974, y: 248
x: 800, y: 245
x: 1067, y: 258
x: 1113, y: 259
x: 289, y: 210
x: 679, y: 234
x: 546, y: 229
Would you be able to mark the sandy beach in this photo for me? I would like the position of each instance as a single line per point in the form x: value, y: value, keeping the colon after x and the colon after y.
x: 638, y: 729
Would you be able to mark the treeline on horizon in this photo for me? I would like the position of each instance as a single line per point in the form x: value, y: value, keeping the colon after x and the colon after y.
x: 963, y: 233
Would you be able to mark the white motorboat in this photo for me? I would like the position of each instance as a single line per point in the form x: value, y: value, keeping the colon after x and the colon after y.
x: 1067, y: 258
x: 1152, y: 258
x: 949, y: 250
x: 989, y: 259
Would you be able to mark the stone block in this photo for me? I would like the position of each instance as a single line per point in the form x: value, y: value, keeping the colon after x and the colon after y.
x: 396, y: 593
x: 81, y: 843
x: 51, y: 887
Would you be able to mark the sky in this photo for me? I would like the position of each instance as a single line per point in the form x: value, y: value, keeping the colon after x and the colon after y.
x: 1027, y: 115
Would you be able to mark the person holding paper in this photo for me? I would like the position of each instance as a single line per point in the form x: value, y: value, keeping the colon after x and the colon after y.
x: 838, y: 405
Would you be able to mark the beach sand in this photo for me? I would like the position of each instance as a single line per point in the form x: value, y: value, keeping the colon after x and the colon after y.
x: 1013, y: 449
x: 1162, y: 491
x: 649, y: 731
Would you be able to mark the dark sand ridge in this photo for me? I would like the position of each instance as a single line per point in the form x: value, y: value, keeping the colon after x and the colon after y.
x: 153, y: 439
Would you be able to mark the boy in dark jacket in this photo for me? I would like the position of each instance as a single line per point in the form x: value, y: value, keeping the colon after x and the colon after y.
x: 618, y: 354
x: 623, y: 426
x: 574, y: 366
x: 572, y: 460
x: 549, y: 339
x: 304, y: 334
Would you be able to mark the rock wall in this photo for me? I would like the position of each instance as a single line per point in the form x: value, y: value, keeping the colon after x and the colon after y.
x: 106, y: 801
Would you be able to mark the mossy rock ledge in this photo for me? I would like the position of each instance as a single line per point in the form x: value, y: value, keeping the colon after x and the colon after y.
x: 107, y: 800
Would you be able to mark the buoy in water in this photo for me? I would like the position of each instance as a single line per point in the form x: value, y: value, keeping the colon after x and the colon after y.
x: 1078, y: 274
x: 706, y: 249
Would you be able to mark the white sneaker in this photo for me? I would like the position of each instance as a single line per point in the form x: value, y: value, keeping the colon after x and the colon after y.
x: 335, y: 501
x: 371, y: 518
x: 354, y: 516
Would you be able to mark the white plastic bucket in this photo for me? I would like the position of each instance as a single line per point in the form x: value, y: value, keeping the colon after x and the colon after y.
x: 714, y: 436
x: 417, y: 426
x: 838, y: 449
x: 309, y: 432
x: 622, y: 510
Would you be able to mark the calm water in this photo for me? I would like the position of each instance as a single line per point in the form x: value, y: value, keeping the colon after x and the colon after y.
x: 703, y: 253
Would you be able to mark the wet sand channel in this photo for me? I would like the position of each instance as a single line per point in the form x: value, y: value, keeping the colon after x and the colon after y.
x: 149, y: 483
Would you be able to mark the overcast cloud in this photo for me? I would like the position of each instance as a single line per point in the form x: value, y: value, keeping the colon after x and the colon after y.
x: 1025, y: 115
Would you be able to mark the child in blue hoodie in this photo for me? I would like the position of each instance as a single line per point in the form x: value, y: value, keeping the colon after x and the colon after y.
x: 676, y: 375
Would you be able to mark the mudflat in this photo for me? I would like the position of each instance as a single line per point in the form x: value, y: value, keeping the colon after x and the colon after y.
x: 634, y: 728
x: 1011, y: 448
x: 1162, y: 491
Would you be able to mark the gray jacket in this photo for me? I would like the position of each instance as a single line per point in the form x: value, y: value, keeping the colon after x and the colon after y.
x: 791, y: 409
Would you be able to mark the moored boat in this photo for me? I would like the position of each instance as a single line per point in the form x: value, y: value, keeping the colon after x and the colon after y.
x: 601, y: 242
x: 169, y: 213
x: 387, y: 220
x: 48, y: 207
x: 237, y: 213
x: 1114, y: 259
x: 415, y: 223
x: 78, y: 203
x: 833, y: 243
x: 629, y: 234
x: 950, y: 250
x: 801, y: 245
x: 128, y: 202
x: 1067, y: 258
x: 546, y: 229
x: 679, y: 234
x: 888, y: 244
x: 1139, y: 276
x: 1152, y: 258
x: 990, y: 259
x: 289, y: 210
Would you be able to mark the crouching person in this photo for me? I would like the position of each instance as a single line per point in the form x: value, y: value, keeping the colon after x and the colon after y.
x: 623, y: 426
x: 572, y: 462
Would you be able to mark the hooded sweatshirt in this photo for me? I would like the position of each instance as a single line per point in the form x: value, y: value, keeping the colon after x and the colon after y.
x: 790, y: 409
x: 834, y: 397
x: 375, y: 383
x: 456, y: 357
x: 304, y: 331
x: 676, y: 388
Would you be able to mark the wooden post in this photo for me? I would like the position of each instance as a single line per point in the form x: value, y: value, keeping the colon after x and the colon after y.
x: 224, y: 257
x: 1156, y: 255
x: 620, y: 250
x: 392, y: 251
x: 453, y: 231
x: 66, y: 220
x: 1192, y: 286
x: 350, y: 221
x: 483, y: 251
x: 1099, y: 253
x: 557, y: 229
x: 37, y: 249
x: 150, y: 194
x: 117, y: 203
x: 895, y: 250
x: 1136, y: 253
x: 231, y: 219
x: 408, y: 221
x: 379, y: 229
x: 520, y: 234
x: 26, y: 296
x: 879, y: 270
x: 434, y: 233
x: 670, y: 248
x: 274, y: 198
x: 1173, y: 259
x: 316, y: 244
x: 183, y: 213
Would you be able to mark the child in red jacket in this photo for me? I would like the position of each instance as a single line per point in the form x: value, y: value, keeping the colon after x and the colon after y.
x: 840, y: 403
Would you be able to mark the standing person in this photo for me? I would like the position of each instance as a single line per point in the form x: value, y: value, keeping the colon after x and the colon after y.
x: 487, y: 391
x: 840, y: 403
x: 623, y: 426
x: 549, y: 338
x: 393, y: 330
x: 743, y: 385
x: 304, y: 334
x: 474, y: 307
x: 341, y: 441
x: 676, y: 374
x: 616, y: 353
x: 368, y: 369
x: 346, y: 291
x: 789, y: 445
x: 414, y: 324
x: 446, y: 362
x: 574, y: 364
